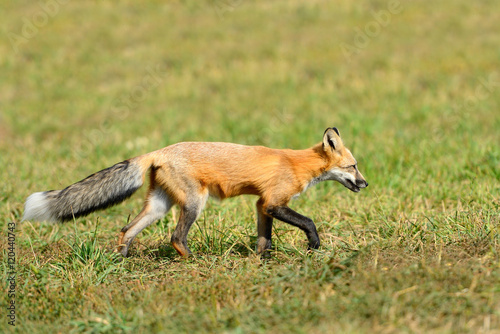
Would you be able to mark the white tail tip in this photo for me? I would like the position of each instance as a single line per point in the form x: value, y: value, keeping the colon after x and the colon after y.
x: 37, y: 208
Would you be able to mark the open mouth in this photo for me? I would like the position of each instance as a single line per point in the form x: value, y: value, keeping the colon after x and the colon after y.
x: 351, y: 186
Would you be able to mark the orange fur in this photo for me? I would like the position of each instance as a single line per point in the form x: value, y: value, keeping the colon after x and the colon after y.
x: 227, y: 170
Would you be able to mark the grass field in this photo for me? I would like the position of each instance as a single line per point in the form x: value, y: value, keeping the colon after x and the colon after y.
x: 413, y: 86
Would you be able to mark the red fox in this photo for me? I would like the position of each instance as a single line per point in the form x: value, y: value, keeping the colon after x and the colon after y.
x: 188, y: 173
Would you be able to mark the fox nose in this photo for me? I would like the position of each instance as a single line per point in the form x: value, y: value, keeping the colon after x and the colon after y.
x: 362, y: 183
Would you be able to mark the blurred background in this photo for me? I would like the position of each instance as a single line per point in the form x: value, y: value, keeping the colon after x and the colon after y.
x: 413, y: 87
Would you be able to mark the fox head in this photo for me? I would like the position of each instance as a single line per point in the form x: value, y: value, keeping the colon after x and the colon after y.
x: 342, y: 166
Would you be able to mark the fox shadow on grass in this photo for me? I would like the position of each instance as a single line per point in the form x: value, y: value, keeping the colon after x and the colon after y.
x: 164, y: 250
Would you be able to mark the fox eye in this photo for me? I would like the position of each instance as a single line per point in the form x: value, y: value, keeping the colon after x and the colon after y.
x: 350, y: 167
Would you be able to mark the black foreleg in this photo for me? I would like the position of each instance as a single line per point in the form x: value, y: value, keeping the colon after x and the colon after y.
x: 284, y: 213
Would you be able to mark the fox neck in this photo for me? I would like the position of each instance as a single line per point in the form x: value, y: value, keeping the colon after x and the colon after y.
x: 311, y: 166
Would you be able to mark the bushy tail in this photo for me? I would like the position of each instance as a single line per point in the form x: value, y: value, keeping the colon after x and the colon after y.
x: 98, y: 191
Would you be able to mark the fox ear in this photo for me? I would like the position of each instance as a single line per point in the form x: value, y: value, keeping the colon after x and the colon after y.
x: 331, y: 139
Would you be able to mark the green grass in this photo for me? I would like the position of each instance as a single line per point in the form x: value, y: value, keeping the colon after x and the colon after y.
x: 417, y: 103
